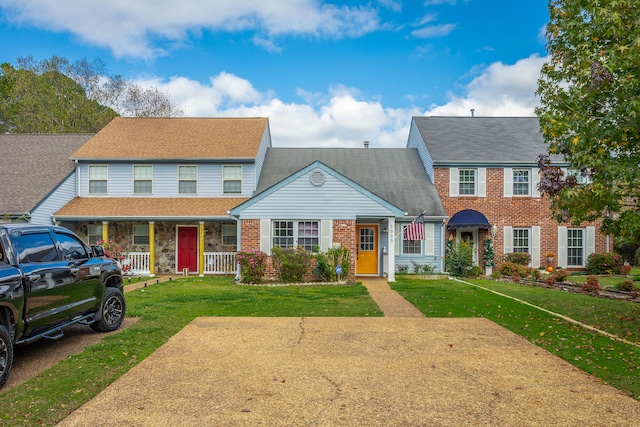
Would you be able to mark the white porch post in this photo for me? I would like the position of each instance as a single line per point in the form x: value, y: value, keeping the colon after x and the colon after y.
x: 391, y: 250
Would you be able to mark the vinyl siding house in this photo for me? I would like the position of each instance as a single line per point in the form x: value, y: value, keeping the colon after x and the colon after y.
x: 485, y: 171
x: 358, y: 198
x: 162, y: 189
x: 37, y: 175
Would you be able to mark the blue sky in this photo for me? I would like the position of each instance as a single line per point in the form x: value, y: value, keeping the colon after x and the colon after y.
x: 325, y: 73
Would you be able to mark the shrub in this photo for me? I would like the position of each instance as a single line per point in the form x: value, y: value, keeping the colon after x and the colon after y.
x: 606, y: 263
x: 521, y: 258
x: 508, y: 269
x: 591, y: 285
x: 403, y: 269
x: 326, y: 263
x: 625, y: 269
x: 253, y: 265
x: 428, y: 269
x: 291, y: 264
x: 560, y: 275
x: 459, y: 259
x: 627, y: 286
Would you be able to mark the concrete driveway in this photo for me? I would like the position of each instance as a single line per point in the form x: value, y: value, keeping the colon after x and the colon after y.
x: 391, y: 371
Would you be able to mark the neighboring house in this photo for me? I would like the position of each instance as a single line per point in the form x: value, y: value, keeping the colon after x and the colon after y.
x: 37, y: 175
x: 485, y: 170
x: 162, y: 188
x: 358, y: 198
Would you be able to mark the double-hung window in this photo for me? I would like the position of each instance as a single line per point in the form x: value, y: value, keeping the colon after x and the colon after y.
x: 521, y: 240
x: 98, y: 179
x: 187, y: 179
x: 521, y: 182
x: 142, y: 179
x: 141, y: 235
x: 289, y: 234
x: 231, y: 179
x: 94, y: 233
x: 467, y: 182
x: 229, y: 237
x: 575, y: 247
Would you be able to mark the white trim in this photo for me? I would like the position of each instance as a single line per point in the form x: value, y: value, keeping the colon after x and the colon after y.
x: 326, y: 234
x: 562, y: 246
x: 535, y: 180
x: 590, y: 242
x: 507, y: 233
x: 429, y: 238
x: 241, y: 178
x: 508, y: 183
x: 265, y: 236
x: 482, y: 182
x: 179, y: 180
x: 535, y: 246
x: 454, y: 178
x: 197, y: 247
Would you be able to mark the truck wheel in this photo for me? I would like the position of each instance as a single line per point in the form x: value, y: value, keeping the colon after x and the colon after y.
x: 112, y: 311
x: 6, y: 354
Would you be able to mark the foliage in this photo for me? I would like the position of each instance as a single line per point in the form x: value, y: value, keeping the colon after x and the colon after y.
x: 326, y: 263
x: 521, y: 258
x: 560, y: 275
x: 508, y: 269
x: 488, y: 253
x: 403, y: 269
x: 253, y: 266
x: 459, y: 258
x: 58, y: 96
x: 589, y: 113
x: 428, y: 269
x: 605, y: 263
x: 627, y: 286
x: 112, y: 249
x: 291, y: 264
x: 591, y: 285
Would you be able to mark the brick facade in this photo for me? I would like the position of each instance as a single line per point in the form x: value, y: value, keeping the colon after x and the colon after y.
x: 517, y: 211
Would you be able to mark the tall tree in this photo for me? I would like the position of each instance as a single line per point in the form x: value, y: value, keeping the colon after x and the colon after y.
x: 590, y: 111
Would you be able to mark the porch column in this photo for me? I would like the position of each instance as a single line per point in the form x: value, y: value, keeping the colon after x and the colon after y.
x: 152, y: 249
x: 391, y: 250
x: 105, y: 231
x: 201, y: 249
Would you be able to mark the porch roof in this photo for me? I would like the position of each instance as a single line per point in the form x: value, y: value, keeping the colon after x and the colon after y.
x: 143, y: 209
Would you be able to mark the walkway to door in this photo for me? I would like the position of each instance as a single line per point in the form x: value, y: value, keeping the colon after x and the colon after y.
x: 389, y: 301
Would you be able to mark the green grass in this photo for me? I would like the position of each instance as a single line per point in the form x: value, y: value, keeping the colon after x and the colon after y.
x: 606, y: 282
x: 163, y: 310
x: 613, y: 362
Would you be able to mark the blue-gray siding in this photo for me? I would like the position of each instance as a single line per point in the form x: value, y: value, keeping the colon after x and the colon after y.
x: 55, y: 200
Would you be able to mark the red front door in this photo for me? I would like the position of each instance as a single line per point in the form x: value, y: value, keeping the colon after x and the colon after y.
x: 188, y: 249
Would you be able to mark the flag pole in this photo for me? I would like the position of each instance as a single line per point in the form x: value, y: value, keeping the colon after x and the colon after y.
x: 404, y: 227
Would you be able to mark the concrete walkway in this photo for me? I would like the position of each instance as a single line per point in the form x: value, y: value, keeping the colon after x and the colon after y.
x: 389, y: 301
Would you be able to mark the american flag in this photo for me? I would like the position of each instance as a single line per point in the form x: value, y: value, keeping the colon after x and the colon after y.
x: 415, y: 230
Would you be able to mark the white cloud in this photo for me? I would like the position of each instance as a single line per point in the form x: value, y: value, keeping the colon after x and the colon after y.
x: 339, y: 118
x: 132, y: 28
x: 433, y: 31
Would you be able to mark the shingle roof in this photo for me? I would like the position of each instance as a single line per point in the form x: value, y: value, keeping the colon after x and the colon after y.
x: 146, y: 208
x: 176, y: 138
x: 483, y: 139
x: 32, y: 165
x: 395, y: 174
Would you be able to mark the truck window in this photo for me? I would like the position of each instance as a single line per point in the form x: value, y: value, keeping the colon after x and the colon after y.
x: 71, y: 247
x: 37, y: 247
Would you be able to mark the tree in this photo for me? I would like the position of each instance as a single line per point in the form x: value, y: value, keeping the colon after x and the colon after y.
x: 57, y: 96
x: 590, y: 111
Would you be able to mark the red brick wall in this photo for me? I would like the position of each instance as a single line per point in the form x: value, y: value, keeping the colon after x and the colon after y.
x: 344, y: 232
x: 513, y: 211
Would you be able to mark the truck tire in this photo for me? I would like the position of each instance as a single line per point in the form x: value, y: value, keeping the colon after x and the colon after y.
x: 112, y: 311
x: 6, y: 354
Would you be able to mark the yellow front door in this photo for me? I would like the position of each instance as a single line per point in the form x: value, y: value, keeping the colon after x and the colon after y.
x: 367, y: 250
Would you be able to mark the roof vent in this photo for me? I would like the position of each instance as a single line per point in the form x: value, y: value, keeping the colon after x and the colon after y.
x: 366, y: 144
x: 317, y: 177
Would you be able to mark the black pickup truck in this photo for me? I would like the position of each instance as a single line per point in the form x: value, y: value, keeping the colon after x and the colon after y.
x: 50, y: 279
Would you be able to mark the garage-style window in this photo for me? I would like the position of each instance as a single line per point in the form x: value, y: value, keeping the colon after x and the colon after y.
x: 98, y: 179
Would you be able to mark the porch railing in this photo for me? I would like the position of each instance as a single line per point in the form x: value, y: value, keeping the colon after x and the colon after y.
x: 219, y: 262
x: 138, y: 263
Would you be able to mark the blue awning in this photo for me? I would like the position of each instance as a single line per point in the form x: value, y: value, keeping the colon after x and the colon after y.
x: 468, y: 218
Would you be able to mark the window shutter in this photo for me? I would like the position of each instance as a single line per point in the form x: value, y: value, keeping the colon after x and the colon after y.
x: 454, y: 177
x: 482, y: 182
x: 265, y: 236
x: 535, y: 179
x: 326, y: 234
x: 535, y: 246
x: 591, y: 242
x: 562, y: 247
x: 429, y: 238
x: 508, y: 182
x: 508, y: 239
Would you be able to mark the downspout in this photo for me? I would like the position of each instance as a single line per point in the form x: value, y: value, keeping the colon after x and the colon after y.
x: 442, y: 245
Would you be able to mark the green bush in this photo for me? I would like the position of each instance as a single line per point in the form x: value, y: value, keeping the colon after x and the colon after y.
x: 459, y: 259
x: 253, y: 265
x: 520, y: 258
x: 508, y: 269
x: 627, y: 286
x: 291, y: 264
x: 606, y: 263
x: 326, y: 264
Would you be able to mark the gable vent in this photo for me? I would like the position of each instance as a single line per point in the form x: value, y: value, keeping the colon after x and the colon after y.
x: 317, y: 177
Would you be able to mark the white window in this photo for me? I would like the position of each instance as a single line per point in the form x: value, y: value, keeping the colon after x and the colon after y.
x: 575, y: 247
x: 142, y: 179
x: 187, y: 179
x: 521, y: 182
x: 521, y: 240
x: 231, y: 179
x: 98, y: 179
x: 141, y: 235
x: 289, y: 234
x: 94, y: 233
x: 467, y: 182
x: 413, y: 247
x: 229, y: 237
x: 579, y: 178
